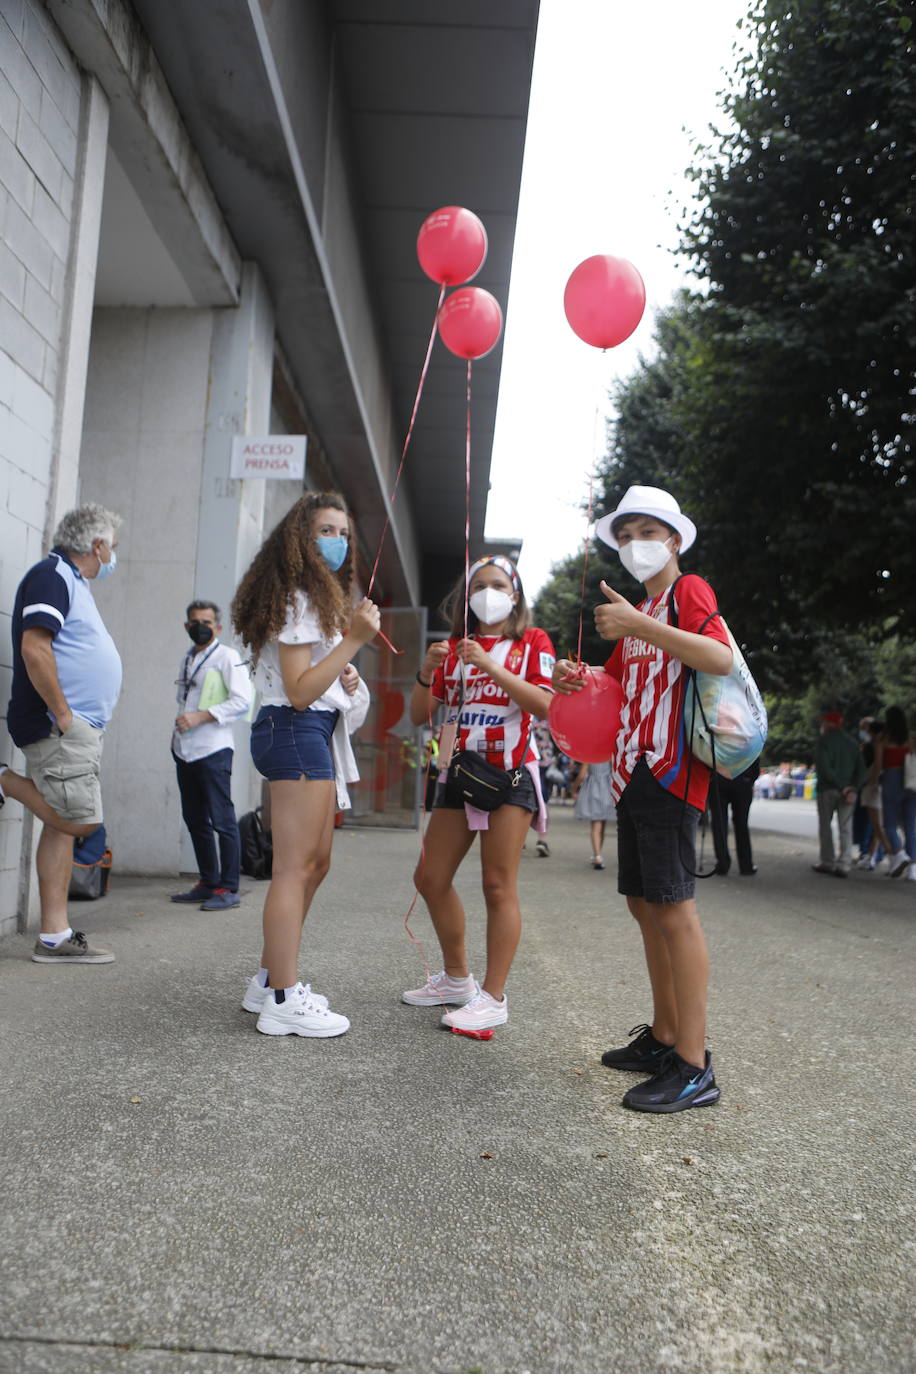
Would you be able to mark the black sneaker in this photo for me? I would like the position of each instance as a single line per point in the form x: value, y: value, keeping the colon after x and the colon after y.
x: 642, y: 1055
x: 676, y: 1086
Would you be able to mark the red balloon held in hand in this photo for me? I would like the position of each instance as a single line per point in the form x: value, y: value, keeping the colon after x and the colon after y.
x: 452, y: 245
x: 604, y: 300
x: 585, y: 723
x: 470, y: 322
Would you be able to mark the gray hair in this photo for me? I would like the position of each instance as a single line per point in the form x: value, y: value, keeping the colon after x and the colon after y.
x: 80, y: 527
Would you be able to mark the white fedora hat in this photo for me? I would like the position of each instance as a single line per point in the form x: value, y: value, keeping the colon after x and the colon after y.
x: 648, y: 501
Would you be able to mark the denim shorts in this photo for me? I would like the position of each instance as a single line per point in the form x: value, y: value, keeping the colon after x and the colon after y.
x: 656, y: 841
x: 288, y: 744
x: 448, y: 798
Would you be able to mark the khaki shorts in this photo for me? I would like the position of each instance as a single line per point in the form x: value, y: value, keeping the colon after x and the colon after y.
x: 65, y: 769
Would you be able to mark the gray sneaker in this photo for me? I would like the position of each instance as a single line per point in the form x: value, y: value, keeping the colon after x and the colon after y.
x: 76, y: 950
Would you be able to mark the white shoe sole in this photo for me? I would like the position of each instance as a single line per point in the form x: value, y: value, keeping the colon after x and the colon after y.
x: 270, y: 1025
x: 73, y: 958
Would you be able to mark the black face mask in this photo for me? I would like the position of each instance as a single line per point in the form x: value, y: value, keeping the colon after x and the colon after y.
x: 200, y: 633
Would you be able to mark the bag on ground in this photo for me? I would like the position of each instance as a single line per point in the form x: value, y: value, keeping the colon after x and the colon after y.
x: 256, y: 846
x: 91, y: 867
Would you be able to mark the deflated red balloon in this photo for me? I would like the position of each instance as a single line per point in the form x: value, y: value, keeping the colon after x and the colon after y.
x: 470, y: 322
x: 585, y: 723
x: 452, y: 245
x: 604, y: 300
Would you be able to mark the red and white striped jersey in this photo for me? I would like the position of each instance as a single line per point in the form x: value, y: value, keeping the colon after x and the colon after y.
x: 490, y: 721
x: 654, y: 683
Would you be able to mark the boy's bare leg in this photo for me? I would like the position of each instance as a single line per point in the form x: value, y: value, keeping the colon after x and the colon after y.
x: 678, y: 963
x: 664, y: 1003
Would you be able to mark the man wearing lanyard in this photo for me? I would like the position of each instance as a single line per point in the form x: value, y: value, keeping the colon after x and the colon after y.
x: 214, y: 689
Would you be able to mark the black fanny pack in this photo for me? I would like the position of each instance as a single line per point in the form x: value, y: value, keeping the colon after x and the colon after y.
x: 480, y: 783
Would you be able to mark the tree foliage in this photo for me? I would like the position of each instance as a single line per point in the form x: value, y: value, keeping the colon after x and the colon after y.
x: 799, y: 433
x: 779, y: 405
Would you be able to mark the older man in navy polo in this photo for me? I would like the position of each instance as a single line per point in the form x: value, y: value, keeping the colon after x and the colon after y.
x: 66, y: 682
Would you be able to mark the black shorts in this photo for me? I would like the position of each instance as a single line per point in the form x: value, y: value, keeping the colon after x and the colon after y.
x: 449, y: 798
x: 656, y: 841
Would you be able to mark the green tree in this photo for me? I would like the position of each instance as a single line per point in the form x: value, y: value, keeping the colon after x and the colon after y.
x: 778, y: 407
x: 798, y: 437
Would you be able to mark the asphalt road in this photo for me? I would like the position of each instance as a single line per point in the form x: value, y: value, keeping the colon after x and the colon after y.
x: 184, y: 1196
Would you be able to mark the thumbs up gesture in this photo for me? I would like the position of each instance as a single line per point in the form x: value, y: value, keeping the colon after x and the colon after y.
x: 618, y: 618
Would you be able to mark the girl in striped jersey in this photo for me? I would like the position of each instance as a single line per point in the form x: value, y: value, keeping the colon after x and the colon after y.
x: 660, y: 788
x: 492, y: 683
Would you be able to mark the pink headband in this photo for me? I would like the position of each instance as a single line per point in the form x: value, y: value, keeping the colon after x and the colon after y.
x: 497, y: 561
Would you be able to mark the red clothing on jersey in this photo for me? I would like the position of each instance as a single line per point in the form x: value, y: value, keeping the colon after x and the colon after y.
x: 654, y: 683
x: 490, y: 721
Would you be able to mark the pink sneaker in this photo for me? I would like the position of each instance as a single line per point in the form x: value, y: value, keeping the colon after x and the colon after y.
x: 481, y: 1013
x: 442, y: 991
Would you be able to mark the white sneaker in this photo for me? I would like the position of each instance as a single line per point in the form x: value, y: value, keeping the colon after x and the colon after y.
x: 299, y: 1014
x: 864, y: 861
x: 481, y: 1013
x: 897, y: 863
x: 910, y: 874
x: 441, y: 990
x: 255, y: 996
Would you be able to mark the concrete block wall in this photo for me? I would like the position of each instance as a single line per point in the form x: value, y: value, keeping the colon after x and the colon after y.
x: 142, y: 453
x: 40, y: 103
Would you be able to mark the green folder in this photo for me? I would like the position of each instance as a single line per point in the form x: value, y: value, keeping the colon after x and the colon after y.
x: 214, y: 692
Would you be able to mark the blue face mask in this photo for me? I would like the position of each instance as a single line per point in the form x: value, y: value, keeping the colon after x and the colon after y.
x: 106, y: 569
x: 333, y: 550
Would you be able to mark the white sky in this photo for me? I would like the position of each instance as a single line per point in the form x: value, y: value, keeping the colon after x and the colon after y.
x: 621, y: 93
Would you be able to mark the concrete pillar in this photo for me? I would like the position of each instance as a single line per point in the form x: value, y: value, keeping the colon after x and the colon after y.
x: 78, y: 300
x: 76, y: 328
x: 231, y: 523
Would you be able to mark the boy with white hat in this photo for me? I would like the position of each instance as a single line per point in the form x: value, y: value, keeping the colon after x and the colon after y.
x: 660, y: 788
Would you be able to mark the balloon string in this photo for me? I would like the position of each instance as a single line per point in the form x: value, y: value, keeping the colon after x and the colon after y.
x: 467, y: 501
x: 422, y: 864
x: 413, y: 416
x: 584, y: 569
x: 467, y: 569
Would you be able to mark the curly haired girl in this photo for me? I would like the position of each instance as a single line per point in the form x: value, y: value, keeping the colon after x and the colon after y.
x: 293, y: 610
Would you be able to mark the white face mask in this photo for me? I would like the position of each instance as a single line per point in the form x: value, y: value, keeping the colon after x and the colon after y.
x: 491, y: 606
x: 643, y: 558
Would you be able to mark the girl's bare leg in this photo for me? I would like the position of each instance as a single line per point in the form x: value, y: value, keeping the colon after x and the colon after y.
x: 302, y: 828
x: 448, y: 840
x: 500, y: 856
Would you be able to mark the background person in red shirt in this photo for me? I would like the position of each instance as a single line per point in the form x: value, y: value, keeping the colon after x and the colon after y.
x: 660, y: 788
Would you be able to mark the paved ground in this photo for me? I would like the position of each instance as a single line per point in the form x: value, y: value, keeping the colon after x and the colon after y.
x: 182, y: 1194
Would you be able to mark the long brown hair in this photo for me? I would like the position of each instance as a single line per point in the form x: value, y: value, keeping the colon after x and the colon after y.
x: 288, y: 562
x: 452, y: 610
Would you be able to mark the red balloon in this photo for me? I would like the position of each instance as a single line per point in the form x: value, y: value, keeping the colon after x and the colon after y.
x: 604, y: 300
x: 452, y: 245
x: 585, y: 723
x: 470, y: 322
